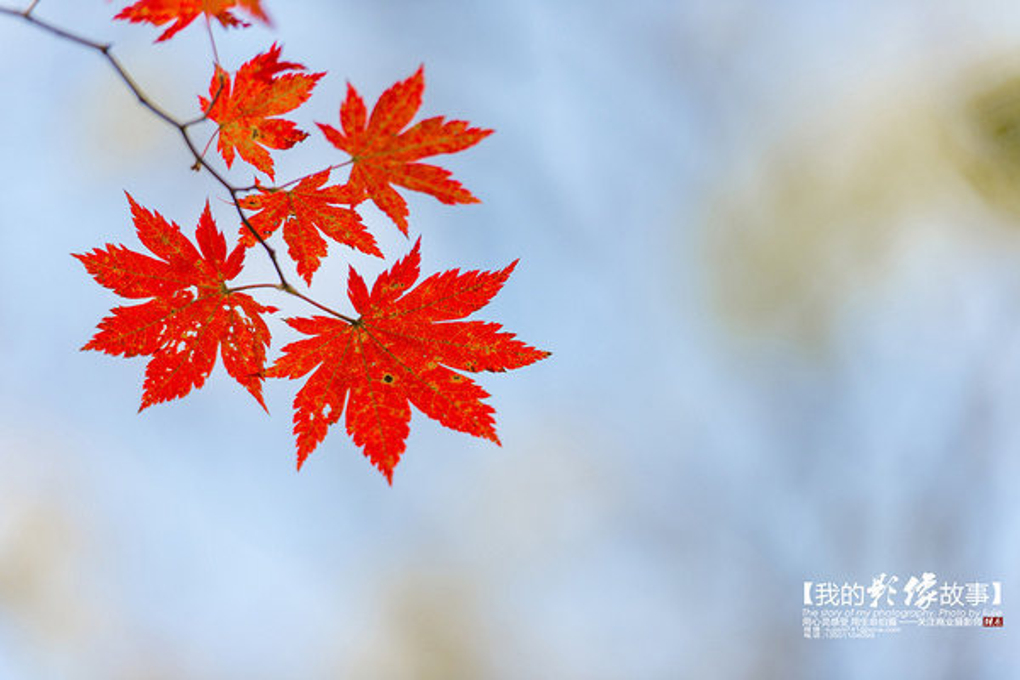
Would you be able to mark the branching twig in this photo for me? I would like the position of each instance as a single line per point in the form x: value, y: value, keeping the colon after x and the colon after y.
x: 182, y: 128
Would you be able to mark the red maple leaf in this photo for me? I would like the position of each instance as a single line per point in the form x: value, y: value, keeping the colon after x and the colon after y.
x: 400, y: 352
x: 304, y: 211
x: 183, y: 12
x: 191, y: 313
x: 245, y: 109
x: 382, y: 155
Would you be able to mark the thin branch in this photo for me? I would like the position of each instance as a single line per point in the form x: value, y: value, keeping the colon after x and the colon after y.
x: 26, y: 14
x: 142, y: 98
x: 182, y: 127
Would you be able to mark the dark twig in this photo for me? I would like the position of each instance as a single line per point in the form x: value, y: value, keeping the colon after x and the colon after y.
x: 182, y: 128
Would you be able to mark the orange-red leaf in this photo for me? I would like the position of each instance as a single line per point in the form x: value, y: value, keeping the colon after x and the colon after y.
x: 245, y: 108
x: 180, y: 13
x: 401, y: 351
x: 304, y: 211
x: 190, y: 315
x: 382, y: 155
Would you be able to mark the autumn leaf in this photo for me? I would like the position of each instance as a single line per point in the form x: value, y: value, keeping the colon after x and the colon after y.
x: 382, y: 155
x: 183, y: 12
x: 245, y: 108
x: 191, y: 313
x: 304, y: 211
x: 405, y: 348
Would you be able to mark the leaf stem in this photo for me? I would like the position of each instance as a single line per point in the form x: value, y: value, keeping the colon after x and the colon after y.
x: 205, y: 149
x: 295, y: 293
x: 212, y: 40
x: 342, y: 317
x: 252, y: 286
x: 278, y: 187
x: 205, y: 114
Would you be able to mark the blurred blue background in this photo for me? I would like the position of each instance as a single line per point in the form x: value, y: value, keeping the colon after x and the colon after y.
x: 772, y: 246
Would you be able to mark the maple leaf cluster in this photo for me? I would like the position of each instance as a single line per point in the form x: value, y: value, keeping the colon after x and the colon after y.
x: 404, y: 345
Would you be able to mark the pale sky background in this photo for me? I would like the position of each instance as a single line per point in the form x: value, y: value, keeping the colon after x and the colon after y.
x: 772, y: 247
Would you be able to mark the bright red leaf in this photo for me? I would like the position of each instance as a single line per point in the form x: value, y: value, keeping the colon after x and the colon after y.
x: 382, y: 155
x: 245, y: 108
x: 183, y: 12
x: 191, y: 313
x: 400, y: 352
x: 304, y: 211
